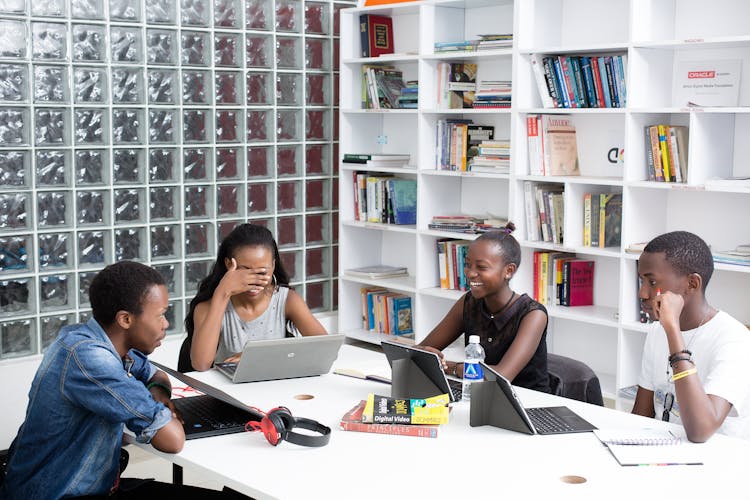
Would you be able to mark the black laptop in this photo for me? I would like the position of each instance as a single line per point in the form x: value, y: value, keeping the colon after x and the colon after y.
x: 212, y: 414
x: 418, y: 374
x: 494, y: 402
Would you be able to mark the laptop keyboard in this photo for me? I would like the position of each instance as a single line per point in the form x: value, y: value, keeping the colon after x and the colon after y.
x: 206, y: 415
x: 457, y: 388
x: 547, y: 422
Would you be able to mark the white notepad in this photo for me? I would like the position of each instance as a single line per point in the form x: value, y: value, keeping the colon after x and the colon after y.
x: 650, y: 447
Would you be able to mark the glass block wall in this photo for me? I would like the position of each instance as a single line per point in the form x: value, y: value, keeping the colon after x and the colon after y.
x: 145, y: 130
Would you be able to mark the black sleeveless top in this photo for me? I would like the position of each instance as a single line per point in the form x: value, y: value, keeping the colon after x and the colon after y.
x: 498, y: 333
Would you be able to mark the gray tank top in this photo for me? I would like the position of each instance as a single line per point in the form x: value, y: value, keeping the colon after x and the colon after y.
x: 235, y: 333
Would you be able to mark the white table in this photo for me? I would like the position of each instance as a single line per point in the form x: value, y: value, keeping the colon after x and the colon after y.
x: 492, y: 462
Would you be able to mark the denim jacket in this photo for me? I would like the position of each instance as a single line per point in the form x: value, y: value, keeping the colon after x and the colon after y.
x: 81, y: 397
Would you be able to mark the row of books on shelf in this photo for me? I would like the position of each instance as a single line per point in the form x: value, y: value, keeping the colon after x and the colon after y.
x: 552, y: 145
x: 484, y: 42
x: 561, y: 278
x: 385, y: 311
x: 545, y: 209
x: 457, y: 88
x: 383, y: 87
x: 466, y: 224
x: 567, y: 81
x: 602, y: 219
x: 451, y: 256
x: 384, y: 199
x: 667, y: 152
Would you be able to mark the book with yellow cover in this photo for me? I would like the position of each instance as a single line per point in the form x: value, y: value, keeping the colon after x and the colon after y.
x: 386, y: 410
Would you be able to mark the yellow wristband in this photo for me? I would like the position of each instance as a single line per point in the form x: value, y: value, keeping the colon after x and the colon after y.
x: 678, y: 376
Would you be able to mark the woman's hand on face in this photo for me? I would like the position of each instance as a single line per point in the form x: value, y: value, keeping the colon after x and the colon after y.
x: 245, y: 280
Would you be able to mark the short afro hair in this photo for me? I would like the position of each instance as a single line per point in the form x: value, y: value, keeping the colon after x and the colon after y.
x: 121, y: 287
x: 686, y: 252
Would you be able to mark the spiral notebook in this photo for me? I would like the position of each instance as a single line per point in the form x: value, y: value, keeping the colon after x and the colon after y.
x: 649, y: 447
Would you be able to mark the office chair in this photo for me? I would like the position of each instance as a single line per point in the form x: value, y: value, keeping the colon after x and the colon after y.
x: 573, y: 379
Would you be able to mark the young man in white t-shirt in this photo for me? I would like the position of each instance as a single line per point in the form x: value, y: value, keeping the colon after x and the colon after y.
x: 695, y: 358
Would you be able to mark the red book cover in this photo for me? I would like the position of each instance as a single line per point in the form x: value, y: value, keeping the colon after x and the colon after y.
x: 376, y: 35
x: 581, y: 282
x: 352, y: 421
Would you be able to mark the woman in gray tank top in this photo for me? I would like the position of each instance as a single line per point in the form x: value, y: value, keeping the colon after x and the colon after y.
x: 246, y: 297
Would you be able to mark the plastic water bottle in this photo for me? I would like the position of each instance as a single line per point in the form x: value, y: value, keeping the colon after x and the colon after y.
x: 472, y: 369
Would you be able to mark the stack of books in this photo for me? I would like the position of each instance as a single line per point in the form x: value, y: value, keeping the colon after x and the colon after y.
x: 563, y: 279
x: 466, y: 223
x: 492, y: 157
x: 740, y: 256
x: 496, y: 41
x: 457, y: 46
x: 493, y: 94
x: 409, y: 97
x: 378, y: 159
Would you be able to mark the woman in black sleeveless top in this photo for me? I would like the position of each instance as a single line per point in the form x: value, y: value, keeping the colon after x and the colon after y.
x: 512, y: 328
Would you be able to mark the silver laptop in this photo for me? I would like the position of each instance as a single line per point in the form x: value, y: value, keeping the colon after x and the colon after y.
x: 291, y: 357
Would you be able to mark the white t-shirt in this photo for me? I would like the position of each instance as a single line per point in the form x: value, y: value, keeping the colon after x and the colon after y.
x: 720, y: 351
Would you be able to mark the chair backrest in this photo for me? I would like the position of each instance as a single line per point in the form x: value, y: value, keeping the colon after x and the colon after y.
x: 183, y: 359
x: 573, y: 379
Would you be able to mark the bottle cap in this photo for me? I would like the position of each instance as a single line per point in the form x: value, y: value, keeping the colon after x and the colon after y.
x: 473, y: 339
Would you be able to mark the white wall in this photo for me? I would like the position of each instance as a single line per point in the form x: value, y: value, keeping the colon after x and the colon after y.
x: 17, y: 375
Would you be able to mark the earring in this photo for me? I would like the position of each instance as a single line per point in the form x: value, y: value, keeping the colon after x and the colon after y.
x: 273, y: 280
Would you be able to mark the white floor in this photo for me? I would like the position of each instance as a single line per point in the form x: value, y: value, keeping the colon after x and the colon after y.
x: 145, y: 465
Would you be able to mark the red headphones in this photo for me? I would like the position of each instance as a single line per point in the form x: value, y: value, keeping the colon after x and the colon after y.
x: 278, y: 423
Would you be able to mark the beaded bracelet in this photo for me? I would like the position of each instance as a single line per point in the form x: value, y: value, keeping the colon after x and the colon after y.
x: 678, y: 376
x: 675, y: 354
x: 166, y: 389
x: 675, y: 360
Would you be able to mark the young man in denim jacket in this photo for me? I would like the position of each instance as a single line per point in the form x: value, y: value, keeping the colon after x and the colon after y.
x: 95, y: 379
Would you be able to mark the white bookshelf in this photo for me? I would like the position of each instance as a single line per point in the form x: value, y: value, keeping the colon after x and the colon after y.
x: 655, y: 35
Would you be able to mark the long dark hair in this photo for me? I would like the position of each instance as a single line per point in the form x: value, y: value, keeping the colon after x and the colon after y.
x: 244, y: 235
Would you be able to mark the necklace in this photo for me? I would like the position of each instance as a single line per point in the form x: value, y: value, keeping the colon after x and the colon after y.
x: 492, y: 315
x: 692, y: 338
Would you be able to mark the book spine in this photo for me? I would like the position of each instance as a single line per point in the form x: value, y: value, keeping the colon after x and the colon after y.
x: 426, y: 431
x: 621, y: 79
x: 611, y: 82
x: 600, y: 102
x: 532, y: 214
x: 588, y: 80
x: 653, y: 132
x: 668, y: 174
x: 602, y: 218
x: 364, y: 35
x: 587, y: 220
x: 534, y: 145
x: 565, y: 298
x: 541, y: 81
x: 575, y: 65
x: 561, y: 82
x: 357, y: 213
x: 649, y: 156
x: 535, y: 277
x: 569, y: 79
x: 549, y: 76
x: 602, y: 63
x: 674, y: 159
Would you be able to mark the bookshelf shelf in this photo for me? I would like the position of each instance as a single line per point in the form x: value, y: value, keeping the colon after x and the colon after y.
x: 355, y: 167
x: 655, y: 35
x: 406, y: 284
